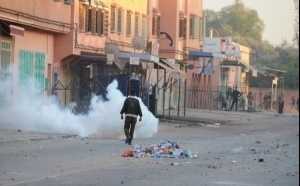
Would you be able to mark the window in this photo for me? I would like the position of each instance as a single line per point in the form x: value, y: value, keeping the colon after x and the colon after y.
x: 182, y: 27
x: 113, y: 19
x: 116, y: 20
x: 136, y: 26
x: 194, y: 27
x: 119, y: 21
x: 99, y: 22
x: 93, y: 20
x: 155, y: 25
x: 128, y: 24
x: 88, y: 20
x: 145, y: 27
x: 5, y: 55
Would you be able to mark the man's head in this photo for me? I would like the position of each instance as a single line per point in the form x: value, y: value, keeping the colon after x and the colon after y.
x: 132, y: 93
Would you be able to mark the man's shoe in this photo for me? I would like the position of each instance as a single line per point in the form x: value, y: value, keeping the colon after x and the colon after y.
x: 126, y: 141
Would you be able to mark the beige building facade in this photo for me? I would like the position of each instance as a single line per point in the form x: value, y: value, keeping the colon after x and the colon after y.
x: 75, y: 48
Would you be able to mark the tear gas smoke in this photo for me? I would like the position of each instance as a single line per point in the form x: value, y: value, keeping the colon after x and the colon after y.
x: 32, y: 112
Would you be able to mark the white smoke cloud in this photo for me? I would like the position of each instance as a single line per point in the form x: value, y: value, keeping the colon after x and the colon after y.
x: 31, y: 112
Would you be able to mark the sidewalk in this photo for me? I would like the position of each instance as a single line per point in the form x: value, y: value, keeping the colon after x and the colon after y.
x: 215, y: 116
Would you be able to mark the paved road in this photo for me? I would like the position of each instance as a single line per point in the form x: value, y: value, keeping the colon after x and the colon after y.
x: 255, y: 151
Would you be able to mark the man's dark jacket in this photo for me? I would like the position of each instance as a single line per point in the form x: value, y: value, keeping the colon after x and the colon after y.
x: 131, y: 107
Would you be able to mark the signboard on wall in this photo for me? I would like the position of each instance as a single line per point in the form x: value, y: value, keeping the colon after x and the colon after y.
x: 206, y: 65
x: 134, y: 61
x: 212, y: 45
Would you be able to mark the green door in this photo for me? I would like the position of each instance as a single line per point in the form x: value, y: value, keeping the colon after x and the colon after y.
x: 32, y: 65
x: 39, y: 68
x: 25, y: 67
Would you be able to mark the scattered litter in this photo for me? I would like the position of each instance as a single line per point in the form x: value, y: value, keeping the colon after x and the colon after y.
x: 175, y: 164
x: 164, y: 149
x: 243, y: 135
x: 260, y: 160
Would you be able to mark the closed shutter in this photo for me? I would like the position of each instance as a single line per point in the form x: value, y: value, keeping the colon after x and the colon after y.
x: 158, y: 26
x: 25, y: 66
x: 113, y: 19
x: 87, y: 20
x: 202, y: 28
x: 196, y: 27
x: 105, y: 20
x: 93, y: 21
x: 5, y: 55
x: 100, y: 22
x: 120, y: 21
x: 145, y: 28
x: 136, y: 26
x: 39, y: 71
x: 81, y: 17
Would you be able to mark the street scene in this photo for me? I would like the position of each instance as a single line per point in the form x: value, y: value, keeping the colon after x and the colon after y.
x: 149, y: 92
x: 244, y: 149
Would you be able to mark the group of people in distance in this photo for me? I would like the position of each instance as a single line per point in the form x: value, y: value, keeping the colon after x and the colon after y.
x: 132, y: 109
x: 232, y: 98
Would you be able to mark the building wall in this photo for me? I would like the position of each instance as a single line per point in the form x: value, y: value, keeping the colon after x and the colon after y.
x: 64, y: 43
x: 37, y: 28
x: 46, y: 15
x: 171, y: 10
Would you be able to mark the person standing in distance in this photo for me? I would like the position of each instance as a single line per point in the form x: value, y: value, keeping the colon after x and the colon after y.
x: 132, y: 109
x: 235, y: 96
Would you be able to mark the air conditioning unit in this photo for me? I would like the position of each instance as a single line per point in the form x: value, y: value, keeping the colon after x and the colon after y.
x: 58, y: 0
x: 68, y: 1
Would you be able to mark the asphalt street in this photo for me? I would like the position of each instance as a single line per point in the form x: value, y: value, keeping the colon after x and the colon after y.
x: 233, y: 148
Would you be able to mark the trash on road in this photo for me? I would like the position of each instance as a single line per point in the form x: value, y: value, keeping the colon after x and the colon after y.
x: 164, y: 149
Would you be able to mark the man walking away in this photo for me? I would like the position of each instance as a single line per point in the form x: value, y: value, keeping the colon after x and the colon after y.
x: 235, y: 96
x: 280, y: 103
x: 131, y: 108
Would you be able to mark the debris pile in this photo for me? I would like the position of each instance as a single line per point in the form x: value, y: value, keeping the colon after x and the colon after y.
x: 164, y: 149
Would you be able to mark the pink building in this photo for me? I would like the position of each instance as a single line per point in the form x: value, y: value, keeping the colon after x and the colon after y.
x: 75, y: 48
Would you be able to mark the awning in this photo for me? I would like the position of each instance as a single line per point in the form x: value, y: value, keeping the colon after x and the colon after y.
x: 145, y: 59
x: 254, y: 70
x: 174, y: 68
x: 272, y: 72
x: 196, y: 53
x: 142, y: 57
x: 16, y: 30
